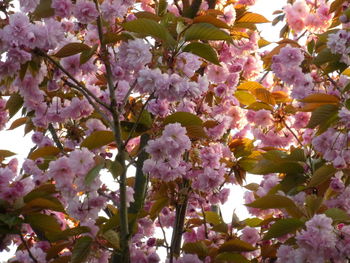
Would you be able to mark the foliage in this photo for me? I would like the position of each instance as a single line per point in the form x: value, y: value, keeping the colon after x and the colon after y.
x: 175, y: 101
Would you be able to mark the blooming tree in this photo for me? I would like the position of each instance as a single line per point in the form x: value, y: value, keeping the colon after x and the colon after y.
x: 166, y: 98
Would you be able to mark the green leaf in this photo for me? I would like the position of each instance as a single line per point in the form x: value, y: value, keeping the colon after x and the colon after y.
x: 231, y: 257
x: 43, y: 152
x: 283, y: 227
x: 5, y: 153
x: 253, y: 222
x: 184, y: 118
x: 98, y: 139
x: 196, y: 132
x: 43, y: 224
x: 72, y: 49
x: 112, y: 237
x: 322, y: 114
x: 212, y: 218
x: 265, y: 166
x: 81, y: 249
x: 93, y: 173
x: 43, y: 10
x: 45, y: 190
x: 244, y: 97
x: 338, y: 215
x: 149, y: 27
x: 148, y: 15
x: 326, y: 56
x: 14, y: 104
x: 198, y: 248
x: 205, y: 31
x: 321, y: 175
x: 112, y: 38
x: 272, y: 201
x: 204, y: 51
x: 236, y: 245
x: 162, y: 7
x: 69, y: 233
x: 40, y: 203
x: 87, y: 54
x: 62, y: 259
x: 158, y: 205
x: 53, y: 251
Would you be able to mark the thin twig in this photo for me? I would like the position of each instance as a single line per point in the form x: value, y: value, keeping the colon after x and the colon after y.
x: 137, y: 120
x: 104, y: 116
x: 55, y: 137
x: 293, y: 133
x: 164, y: 235
x: 28, y: 249
x: 78, y: 84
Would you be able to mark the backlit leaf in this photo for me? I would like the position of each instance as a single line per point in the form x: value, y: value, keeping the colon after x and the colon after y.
x: 14, y: 104
x: 81, y: 249
x: 47, y: 151
x: 98, y: 139
x: 321, y: 175
x: 252, y: 18
x: 272, y: 201
x: 205, y: 31
x: 72, y: 49
x: 204, y: 51
x: 283, y: 227
x: 322, y: 114
x: 211, y: 20
x: 236, y: 245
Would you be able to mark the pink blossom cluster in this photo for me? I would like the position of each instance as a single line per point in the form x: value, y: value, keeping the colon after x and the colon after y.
x: 338, y: 43
x: 169, y: 87
x: 166, y: 153
x: 300, y: 16
x: 21, y: 33
x: 69, y: 177
x: 3, y: 114
x: 333, y: 145
x: 286, y: 66
x: 213, y: 172
x: 318, y: 243
x: 12, y: 186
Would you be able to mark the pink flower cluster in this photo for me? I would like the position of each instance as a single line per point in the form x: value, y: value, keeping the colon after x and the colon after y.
x: 213, y: 172
x: 11, y: 186
x: 316, y: 244
x: 3, y: 114
x: 169, y: 87
x: 338, y: 43
x: 286, y: 66
x: 333, y: 145
x: 166, y: 153
x: 69, y: 176
x: 300, y: 16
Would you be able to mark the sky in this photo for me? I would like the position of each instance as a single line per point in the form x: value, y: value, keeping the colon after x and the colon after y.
x: 15, y: 141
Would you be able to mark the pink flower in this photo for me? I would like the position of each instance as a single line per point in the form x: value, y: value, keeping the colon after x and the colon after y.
x: 188, y: 63
x: 85, y: 11
x: 217, y: 74
x: 263, y: 118
x: 134, y: 54
x: 63, y: 8
x: 28, y: 5
x: 81, y: 161
x: 250, y: 235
